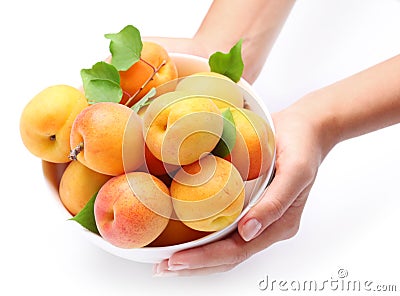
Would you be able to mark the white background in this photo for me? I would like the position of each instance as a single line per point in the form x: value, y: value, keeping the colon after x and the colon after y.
x: 351, y: 219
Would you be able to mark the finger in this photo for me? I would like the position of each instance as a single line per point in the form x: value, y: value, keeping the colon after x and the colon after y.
x: 165, y: 272
x: 215, y: 257
x: 204, y: 262
x: 234, y: 250
x: 177, y: 45
x: 226, y: 251
x: 160, y: 268
x: 274, y: 202
x: 282, y: 229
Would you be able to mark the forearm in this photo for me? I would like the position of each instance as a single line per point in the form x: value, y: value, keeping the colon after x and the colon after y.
x: 364, y: 102
x: 257, y: 22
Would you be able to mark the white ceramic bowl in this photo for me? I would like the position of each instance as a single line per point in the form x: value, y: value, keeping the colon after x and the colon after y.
x: 186, y: 65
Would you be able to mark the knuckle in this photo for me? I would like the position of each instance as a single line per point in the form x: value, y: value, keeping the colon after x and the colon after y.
x: 292, y: 231
x: 303, y: 169
x: 240, y: 253
x: 292, y: 228
x: 228, y: 267
x: 240, y: 257
x: 276, y: 208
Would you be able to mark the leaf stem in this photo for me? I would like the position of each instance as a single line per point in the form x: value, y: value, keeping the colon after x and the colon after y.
x: 126, y: 93
x: 155, y: 71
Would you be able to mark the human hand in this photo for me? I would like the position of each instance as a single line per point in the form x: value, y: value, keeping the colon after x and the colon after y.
x: 276, y: 217
x: 191, y: 46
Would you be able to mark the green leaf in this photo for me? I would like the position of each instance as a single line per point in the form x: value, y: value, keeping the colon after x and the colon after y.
x: 228, y: 138
x: 228, y: 64
x: 125, y: 47
x: 144, y: 101
x: 86, y: 216
x: 102, y: 83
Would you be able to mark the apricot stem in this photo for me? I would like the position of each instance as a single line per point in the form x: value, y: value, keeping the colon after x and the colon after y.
x: 73, y: 155
x: 155, y: 71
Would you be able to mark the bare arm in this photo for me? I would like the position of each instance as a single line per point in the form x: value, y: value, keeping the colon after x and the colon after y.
x: 257, y: 22
x: 364, y: 102
x: 311, y: 127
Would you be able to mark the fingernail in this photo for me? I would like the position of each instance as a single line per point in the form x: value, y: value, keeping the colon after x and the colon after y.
x: 165, y: 274
x: 250, y: 229
x: 176, y: 267
x: 155, y: 269
x: 159, y: 271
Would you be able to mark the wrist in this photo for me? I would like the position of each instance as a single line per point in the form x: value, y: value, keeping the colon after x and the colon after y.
x: 323, y: 119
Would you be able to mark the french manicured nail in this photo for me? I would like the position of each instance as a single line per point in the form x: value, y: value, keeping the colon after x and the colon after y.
x: 155, y: 269
x: 176, y: 267
x: 250, y: 229
x: 165, y: 274
x: 160, y: 271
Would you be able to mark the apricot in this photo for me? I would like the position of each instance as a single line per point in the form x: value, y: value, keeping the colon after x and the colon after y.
x: 177, y: 233
x: 155, y: 166
x: 208, y: 195
x: 223, y: 91
x: 107, y: 138
x: 253, y: 150
x: 179, y: 130
x: 154, y: 68
x: 78, y: 184
x: 46, y: 122
x: 132, y: 210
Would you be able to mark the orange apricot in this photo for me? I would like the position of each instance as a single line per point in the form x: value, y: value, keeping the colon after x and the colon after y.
x: 154, y: 68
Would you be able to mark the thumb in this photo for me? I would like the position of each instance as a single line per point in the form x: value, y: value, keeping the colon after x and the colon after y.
x: 275, y: 200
